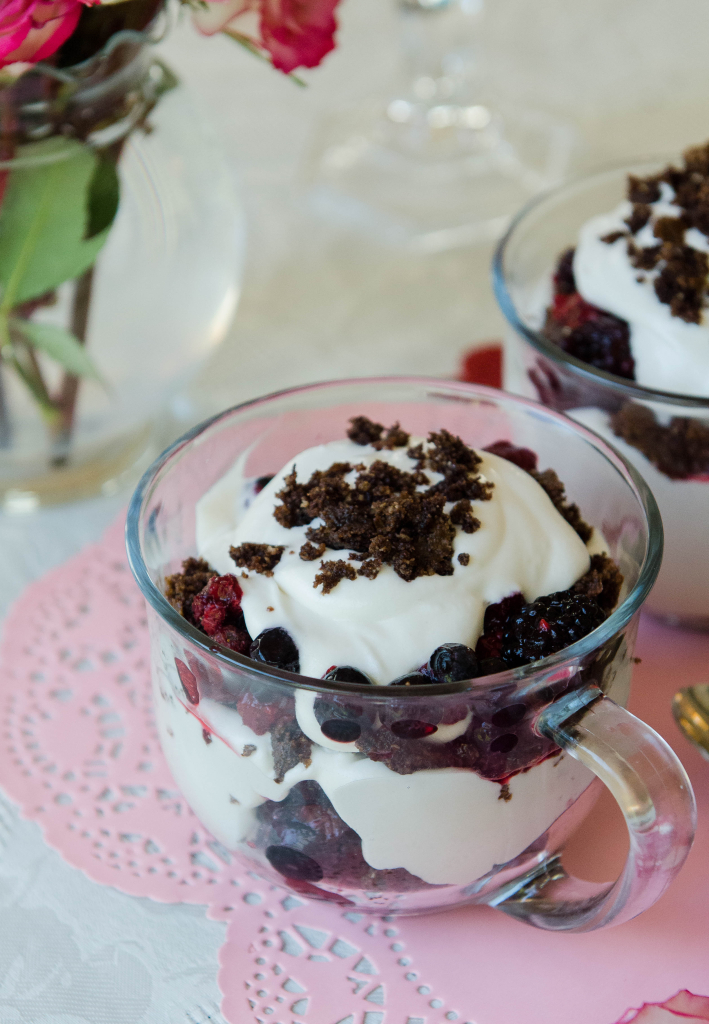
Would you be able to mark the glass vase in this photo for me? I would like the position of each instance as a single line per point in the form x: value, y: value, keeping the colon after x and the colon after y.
x: 120, y: 265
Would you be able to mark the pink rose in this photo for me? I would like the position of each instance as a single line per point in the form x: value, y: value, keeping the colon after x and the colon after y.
x: 31, y: 30
x: 681, y: 1007
x: 294, y: 33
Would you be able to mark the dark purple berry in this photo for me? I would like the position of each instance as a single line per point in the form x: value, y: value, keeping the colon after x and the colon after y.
x: 591, y: 334
x: 411, y: 679
x: 525, y: 458
x: 341, y: 730
x: 548, y: 625
x: 261, y: 482
x: 275, y: 646
x: 511, y: 715
x: 564, y: 280
x: 503, y: 744
x: 346, y: 674
x: 412, y: 729
x: 491, y: 666
x: 294, y: 864
x: 453, y: 663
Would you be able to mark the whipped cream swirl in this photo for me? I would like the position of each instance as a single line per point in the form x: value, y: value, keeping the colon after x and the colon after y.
x: 387, y: 626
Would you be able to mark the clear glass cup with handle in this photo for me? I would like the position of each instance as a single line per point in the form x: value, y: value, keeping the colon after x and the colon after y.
x: 350, y: 821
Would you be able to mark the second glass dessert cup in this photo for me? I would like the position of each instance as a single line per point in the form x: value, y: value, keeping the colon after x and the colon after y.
x: 537, y: 368
x: 389, y: 825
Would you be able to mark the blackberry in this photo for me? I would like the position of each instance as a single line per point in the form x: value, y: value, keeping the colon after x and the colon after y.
x: 452, y: 663
x: 275, y: 646
x: 548, y: 625
x: 591, y: 334
x: 346, y: 674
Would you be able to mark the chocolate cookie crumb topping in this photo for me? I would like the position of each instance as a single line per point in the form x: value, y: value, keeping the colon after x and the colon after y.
x: 181, y: 587
x: 643, y: 259
x: 261, y: 558
x: 364, y: 431
x: 602, y: 582
x: 395, y: 437
x: 462, y: 515
x: 249, y: 749
x: 613, y: 236
x: 311, y: 552
x: 682, y: 281
x: 639, y: 217
x: 293, y: 510
x: 643, y: 190
x: 679, y: 450
x: 464, y: 558
x: 370, y: 568
x: 670, y: 229
x: 556, y: 491
x: 332, y: 572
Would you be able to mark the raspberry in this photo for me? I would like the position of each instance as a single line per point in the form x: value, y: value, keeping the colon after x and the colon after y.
x: 188, y: 680
x: 260, y: 716
x: 525, y: 458
x: 548, y: 625
x: 217, y: 610
x: 235, y: 639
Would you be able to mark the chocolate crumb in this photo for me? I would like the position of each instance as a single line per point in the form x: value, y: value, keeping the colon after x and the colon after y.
x: 462, y: 515
x: 638, y: 218
x: 505, y: 792
x: 206, y: 736
x: 364, y: 431
x: 556, y: 491
x: 290, y: 747
x: 311, y: 552
x: 261, y: 558
x: 331, y: 574
x: 613, y: 236
x: 233, y: 800
x: 248, y: 750
x: 270, y: 608
x: 293, y: 510
x: 370, y: 568
x: 181, y: 587
x: 682, y: 281
x: 464, y: 558
x: 670, y: 229
x: 395, y: 437
x: 637, y: 661
x: 602, y: 582
x: 643, y: 190
x: 679, y: 450
x: 643, y: 259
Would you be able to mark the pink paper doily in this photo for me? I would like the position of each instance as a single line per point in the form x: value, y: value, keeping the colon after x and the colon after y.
x: 80, y: 756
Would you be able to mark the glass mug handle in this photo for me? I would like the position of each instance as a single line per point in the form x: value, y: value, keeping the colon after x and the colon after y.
x: 652, y: 790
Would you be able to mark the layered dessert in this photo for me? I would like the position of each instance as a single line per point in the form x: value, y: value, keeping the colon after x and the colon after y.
x: 630, y: 299
x: 381, y: 569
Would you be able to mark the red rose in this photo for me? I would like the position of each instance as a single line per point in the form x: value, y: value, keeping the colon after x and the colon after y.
x: 681, y: 1007
x: 31, y: 30
x: 294, y: 33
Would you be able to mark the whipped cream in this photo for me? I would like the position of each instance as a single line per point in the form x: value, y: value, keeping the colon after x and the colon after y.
x: 670, y: 354
x: 388, y: 626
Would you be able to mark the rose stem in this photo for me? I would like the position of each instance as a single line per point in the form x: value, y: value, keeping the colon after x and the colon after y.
x: 66, y: 400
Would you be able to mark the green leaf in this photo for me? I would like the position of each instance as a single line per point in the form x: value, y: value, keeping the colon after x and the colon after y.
x: 104, y: 193
x: 35, y: 385
x: 58, y: 344
x: 43, y: 220
x: 168, y: 78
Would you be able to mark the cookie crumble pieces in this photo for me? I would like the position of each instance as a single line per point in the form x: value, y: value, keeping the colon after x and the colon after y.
x: 261, y: 558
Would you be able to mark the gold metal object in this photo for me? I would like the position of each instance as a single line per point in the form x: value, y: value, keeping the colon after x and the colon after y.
x: 691, y: 710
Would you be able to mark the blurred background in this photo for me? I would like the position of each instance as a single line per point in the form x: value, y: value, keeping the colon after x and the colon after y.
x: 321, y: 299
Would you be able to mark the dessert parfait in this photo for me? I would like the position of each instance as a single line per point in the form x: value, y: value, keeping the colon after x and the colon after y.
x: 366, y: 600
x: 619, y: 324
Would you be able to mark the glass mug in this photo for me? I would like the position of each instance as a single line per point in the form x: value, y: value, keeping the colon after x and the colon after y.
x: 347, y: 827
x: 537, y: 368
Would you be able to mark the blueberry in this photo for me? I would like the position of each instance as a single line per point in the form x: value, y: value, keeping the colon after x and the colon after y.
x: 412, y: 729
x: 294, y: 864
x: 452, y: 663
x: 346, y: 674
x: 411, y: 679
x: 503, y: 744
x: 341, y: 730
x: 275, y: 646
x: 509, y: 716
